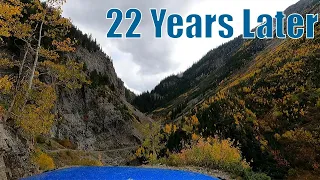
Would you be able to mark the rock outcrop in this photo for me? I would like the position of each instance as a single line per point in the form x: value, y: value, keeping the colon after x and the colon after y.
x: 96, y: 118
x: 14, y: 155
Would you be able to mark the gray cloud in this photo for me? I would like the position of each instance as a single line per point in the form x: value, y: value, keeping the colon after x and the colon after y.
x: 142, y: 63
x: 152, y: 55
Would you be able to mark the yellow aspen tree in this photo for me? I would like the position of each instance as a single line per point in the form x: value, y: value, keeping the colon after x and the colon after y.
x: 48, y: 25
x: 5, y: 84
x: 43, y: 31
x: 152, y: 143
x: 10, y: 11
x: 51, y: 18
x: 36, y: 118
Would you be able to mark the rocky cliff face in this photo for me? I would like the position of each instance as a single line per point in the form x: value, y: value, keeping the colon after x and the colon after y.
x: 95, y: 119
x: 14, y: 155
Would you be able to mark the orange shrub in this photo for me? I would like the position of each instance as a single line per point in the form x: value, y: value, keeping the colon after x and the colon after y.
x: 44, y: 161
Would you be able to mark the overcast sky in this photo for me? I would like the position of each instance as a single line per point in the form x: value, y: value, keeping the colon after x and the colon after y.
x: 143, y: 63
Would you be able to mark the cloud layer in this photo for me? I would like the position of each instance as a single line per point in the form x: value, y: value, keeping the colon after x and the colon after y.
x: 142, y: 63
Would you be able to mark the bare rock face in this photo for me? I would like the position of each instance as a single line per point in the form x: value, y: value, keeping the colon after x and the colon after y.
x: 97, y: 117
x: 98, y: 63
x: 2, y: 168
x: 3, y: 148
x: 94, y: 120
x: 14, y: 155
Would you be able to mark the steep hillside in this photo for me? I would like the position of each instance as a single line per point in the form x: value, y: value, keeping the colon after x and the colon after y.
x: 187, y: 88
x: 95, y: 119
x: 263, y: 94
x: 75, y: 112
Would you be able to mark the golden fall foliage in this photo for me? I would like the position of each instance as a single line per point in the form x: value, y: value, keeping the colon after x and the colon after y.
x: 170, y: 128
x: 36, y: 118
x: 152, y: 145
x: 10, y: 11
x: 167, y: 129
x: 69, y: 75
x: 210, y: 152
x: 278, y: 95
x: 43, y: 31
x: 64, y: 46
x: 5, y: 84
x: 6, y: 63
x: 194, y: 120
x: 43, y: 160
x: 195, y: 137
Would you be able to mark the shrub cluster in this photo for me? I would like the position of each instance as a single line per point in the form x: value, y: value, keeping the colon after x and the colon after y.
x: 43, y: 160
x: 215, y: 154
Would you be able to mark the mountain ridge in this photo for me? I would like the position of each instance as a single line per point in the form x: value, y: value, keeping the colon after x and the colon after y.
x: 210, y: 63
x: 263, y: 96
